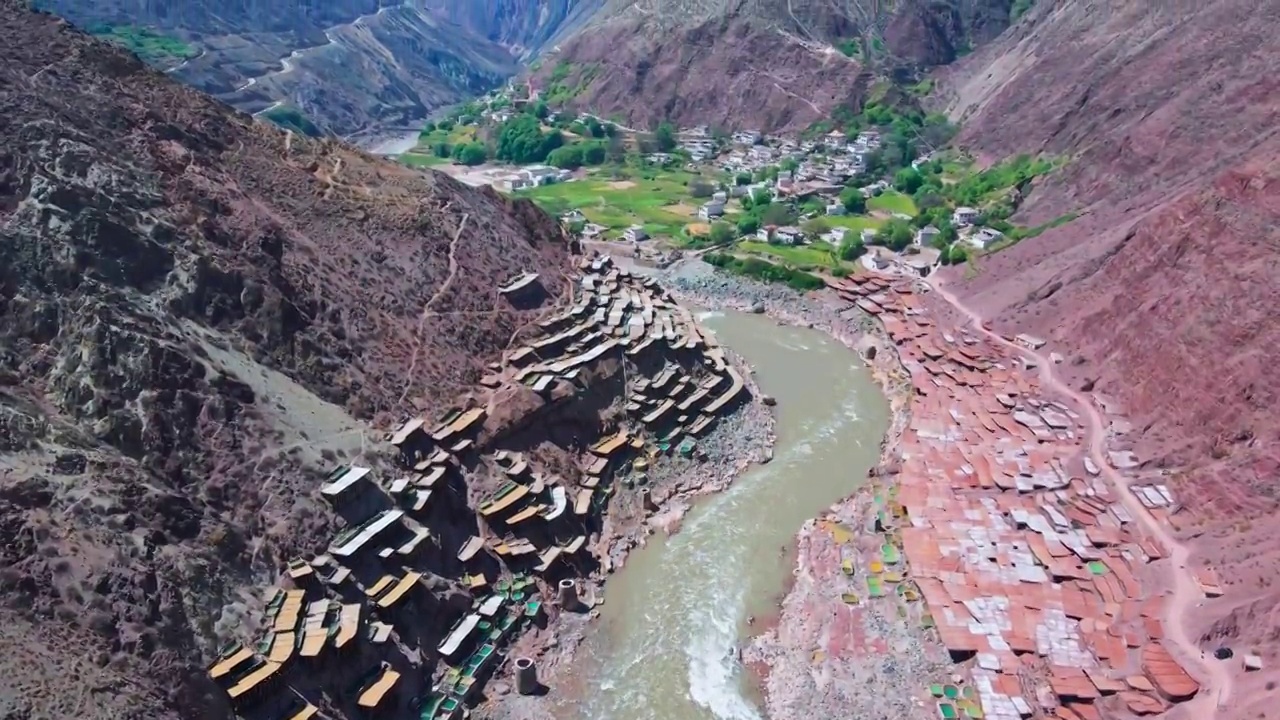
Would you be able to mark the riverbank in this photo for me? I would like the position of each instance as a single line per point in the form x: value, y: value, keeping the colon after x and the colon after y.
x: 818, y: 653
x: 738, y: 441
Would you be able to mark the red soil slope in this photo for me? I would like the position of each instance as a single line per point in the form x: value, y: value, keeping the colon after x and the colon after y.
x: 1161, y: 297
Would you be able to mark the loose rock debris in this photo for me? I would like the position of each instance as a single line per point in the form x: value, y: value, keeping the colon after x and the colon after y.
x: 442, y: 568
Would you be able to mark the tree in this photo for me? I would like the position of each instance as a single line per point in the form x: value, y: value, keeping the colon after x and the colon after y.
x: 568, y: 157
x: 748, y: 225
x: 876, y: 165
x: 665, y: 137
x: 946, y: 233
x: 853, y: 201
x: 540, y: 110
x: 522, y: 141
x: 595, y: 128
x: 896, y: 234
x: 957, y: 255
x: 722, y: 233
x: 610, y: 130
x: 442, y: 150
x: 615, y: 150
x: 701, y: 189
x: 908, y: 180
x: 471, y: 153
x: 445, y: 124
x: 815, y: 227
x: 427, y: 129
x: 593, y: 153
x: 851, y: 248
x: 742, y: 178
x: 789, y: 165
x: 777, y: 214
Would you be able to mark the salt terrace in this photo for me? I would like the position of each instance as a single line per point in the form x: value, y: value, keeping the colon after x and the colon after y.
x: 1027, y: 566
x: 441, y: 566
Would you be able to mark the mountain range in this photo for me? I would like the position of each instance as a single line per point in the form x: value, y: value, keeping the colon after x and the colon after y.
x: 354, y: 67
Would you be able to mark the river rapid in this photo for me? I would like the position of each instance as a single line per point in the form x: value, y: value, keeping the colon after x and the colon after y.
x: 676, y: 615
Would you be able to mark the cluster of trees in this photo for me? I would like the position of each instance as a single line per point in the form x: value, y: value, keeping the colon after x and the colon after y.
x: 759, y: 210
x: 664, y: 137
x: 522, y: 141
x: 575, y: 156
x: 762, y: 270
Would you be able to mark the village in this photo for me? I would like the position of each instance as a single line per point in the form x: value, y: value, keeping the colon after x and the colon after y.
x: 838, y: 205
x: 465, y: 540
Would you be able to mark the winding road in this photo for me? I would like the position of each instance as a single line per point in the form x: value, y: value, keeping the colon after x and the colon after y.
x: 1214, y: 693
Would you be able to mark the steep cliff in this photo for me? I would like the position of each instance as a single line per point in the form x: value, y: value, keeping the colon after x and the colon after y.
x: 197, y: 313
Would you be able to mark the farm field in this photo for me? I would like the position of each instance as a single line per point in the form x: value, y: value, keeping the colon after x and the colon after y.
x: 893, y: 201
x: 659, y: 202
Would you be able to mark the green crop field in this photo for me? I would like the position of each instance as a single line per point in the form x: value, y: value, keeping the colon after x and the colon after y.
x: 146, y: 43
x: 818, y: 255
x: 619, y: 204
x: 854, y: 222
x: 893, y: 201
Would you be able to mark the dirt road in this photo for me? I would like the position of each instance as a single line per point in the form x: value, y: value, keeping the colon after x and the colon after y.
x: 1214, y: 677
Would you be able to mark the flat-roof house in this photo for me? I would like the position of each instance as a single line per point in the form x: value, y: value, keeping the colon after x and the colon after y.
x: 925, y: 235
x: 635, y: 233
x: 711, y: 210
x: 573, y: 216
x: 835, y: 208
x: 789, y: 235
x: 983, y: 238
x: 923, y: 262
x: 964, y: 216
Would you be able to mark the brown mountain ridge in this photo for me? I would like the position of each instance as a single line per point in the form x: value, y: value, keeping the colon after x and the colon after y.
x: 198, y: 313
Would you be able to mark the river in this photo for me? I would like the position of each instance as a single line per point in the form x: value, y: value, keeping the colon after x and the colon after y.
x: 674, y: 616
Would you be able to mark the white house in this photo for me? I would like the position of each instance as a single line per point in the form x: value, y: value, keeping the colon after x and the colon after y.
x: 870, y: 139
x: 789, y: 235
x: 719, y: 196
x: 963, y: 216
x: 868, y: 236
x: 515, y: 183
x: 835, y: 208
x: 835, y: 235
x: 591, y: 231
x: 711, y: 210
x: 983, y: 238
x: 925, y: 235
x: 573, y: 216
x: 921, y: 264
x: 635, y: 233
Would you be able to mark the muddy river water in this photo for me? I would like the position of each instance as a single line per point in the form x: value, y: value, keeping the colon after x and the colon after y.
x: 675, y: 615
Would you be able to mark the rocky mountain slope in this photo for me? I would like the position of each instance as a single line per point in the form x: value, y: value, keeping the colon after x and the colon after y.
x: 1160, y: 295
x: 762, y: 64
x: 198, y: 313
x: 347, y: 64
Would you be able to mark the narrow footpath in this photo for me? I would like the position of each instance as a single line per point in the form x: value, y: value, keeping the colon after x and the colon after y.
x: 1214, y: 693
